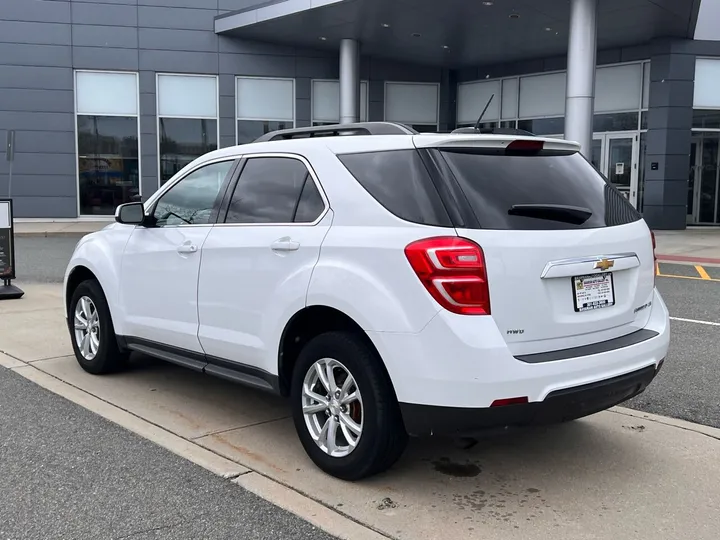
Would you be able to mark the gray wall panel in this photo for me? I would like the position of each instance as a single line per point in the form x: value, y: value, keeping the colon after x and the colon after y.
x: 105, y: 58
x: 104, y: 14
x: 37, y: 121
x: 178, y: 40
x: 317, y: 68
x: 148, y: 82
x: 148, y: 104
x: 123, y: 37
x: 179, y: 61
x: 257, y: 65
x: 187, y: 19
x: 302, y: 110
x: 20, y: 54
x: 303, y: 88
x: 46, y: 185
x: 227, y: 141
x: 36, y: 11
x: 226, y: 85
x: 126, y: 2
x: 34, y: 32
x: 148, y: 125
x: 46, y: 78
x: 28, y: 163
x: 20, y: 99
x: 227, y: 106
x: 238, y: 46
x: 206, y: 4
x: 42, y: 142
x: 45, y: 207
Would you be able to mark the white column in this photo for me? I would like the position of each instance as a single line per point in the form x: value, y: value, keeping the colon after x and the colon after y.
x: 580, y: 92
x: 349, y: 81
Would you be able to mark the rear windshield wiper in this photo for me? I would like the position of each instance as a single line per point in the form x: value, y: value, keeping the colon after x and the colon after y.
x: 577, y: 215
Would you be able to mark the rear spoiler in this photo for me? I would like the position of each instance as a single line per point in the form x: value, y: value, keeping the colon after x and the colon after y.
x: 494, y: 142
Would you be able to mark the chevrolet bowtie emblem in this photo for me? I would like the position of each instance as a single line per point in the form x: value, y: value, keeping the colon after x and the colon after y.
x: 604, y: 264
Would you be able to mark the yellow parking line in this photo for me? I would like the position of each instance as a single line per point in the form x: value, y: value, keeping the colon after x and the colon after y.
x: 702, y: 272
x: 687, y: 277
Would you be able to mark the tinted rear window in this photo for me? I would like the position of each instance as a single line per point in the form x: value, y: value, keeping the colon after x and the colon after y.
x: 399, y: 181
x: 496, y: 184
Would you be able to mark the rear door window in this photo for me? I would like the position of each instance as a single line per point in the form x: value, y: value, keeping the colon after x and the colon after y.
x: 399, y: 181
x: 540, y: 191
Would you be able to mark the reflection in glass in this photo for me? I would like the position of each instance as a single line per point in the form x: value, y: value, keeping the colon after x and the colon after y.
x: 706, y: 119
x: 249, y: 130
x: 107, y: 163
x: 543, y: 126
x: 182, y: 140
x: 641, y: 172
x: 620, y: 162
x: 615, y: 122
x: 425, y: 128
x: 708, y: 178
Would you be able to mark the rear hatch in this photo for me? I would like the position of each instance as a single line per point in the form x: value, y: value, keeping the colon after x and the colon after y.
x: 569, y: 260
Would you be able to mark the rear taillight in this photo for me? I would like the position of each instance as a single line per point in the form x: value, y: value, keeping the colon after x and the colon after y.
x: 453, y: 271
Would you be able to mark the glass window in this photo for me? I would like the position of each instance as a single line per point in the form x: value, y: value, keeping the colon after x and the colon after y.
x: 267, y: 191
x: 106, y: 93
x: 543, y: 126
x: 182, y: 140
x: 187, y: 95
x: 411, y: 104
x: 249, y: 130
x: 473, y: 97
x: 193, y: 200
x: 618, y: 88
x: 399, y: 181
x: 522, y: 192
x: 707, y: 77
x: 542, y: 95
x: 263, y: 105
x: 107, y: 163
x: 615, y: 122
x: 326, y: 102
x: 706, y: 119
x: 310, y: 205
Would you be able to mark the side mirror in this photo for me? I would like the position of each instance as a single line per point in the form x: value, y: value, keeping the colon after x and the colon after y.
x: 130, y: 213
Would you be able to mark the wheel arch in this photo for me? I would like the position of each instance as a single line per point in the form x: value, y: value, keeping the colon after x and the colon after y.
x: 307, y: 324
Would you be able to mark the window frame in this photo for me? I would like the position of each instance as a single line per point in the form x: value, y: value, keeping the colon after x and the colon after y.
x: 230, y: 191
x: 158, y: 116
x: 151, y: 205
x: 77, y: 145
x: 237, y: 116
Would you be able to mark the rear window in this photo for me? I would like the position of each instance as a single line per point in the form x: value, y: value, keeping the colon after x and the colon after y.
x: 535, y: 192
x: 399, y: 181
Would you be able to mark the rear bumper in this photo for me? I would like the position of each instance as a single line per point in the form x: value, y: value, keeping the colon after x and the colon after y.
x: 463, y: 363
x: 559, y: 406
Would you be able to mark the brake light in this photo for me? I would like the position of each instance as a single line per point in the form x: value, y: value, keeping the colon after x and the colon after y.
x: 525, y: 146
x: 453, y: 271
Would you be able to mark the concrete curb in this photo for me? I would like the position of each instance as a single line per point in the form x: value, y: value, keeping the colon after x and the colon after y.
x: 666, y: 420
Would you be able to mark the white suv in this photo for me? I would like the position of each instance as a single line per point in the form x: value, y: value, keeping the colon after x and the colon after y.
x: 389, y: 283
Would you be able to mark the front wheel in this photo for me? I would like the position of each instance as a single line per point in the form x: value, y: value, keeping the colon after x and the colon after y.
x: 344, y: 407
x: 91, y: 330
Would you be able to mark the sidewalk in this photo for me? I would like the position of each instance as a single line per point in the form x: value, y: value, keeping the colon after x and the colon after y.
x: 617, y: 474
x: 696, y: 245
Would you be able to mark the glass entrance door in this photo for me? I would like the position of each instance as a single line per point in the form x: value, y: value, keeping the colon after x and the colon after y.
x: 616, y: 156
x: 704, y: 179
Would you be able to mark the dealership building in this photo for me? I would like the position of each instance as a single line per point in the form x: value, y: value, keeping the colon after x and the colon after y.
x: 106, y: 99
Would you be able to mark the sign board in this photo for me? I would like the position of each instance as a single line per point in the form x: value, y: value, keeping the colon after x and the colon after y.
x: 620, y: 168
x: 7, y: 240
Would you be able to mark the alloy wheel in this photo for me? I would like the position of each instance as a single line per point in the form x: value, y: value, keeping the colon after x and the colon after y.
x: 87, y: 328
x: 333, y: 408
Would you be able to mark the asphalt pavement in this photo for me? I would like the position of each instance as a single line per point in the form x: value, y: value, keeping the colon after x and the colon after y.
x: 688, y: 387
x: 68, y: 473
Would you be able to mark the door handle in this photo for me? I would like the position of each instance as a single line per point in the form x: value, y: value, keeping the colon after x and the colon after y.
x: 285, y: 244
x: 187, y: 247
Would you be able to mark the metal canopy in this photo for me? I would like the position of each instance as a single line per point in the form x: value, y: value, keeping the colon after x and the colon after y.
x: 454, y: 33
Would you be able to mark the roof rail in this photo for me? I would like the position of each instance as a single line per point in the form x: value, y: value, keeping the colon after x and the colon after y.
x: 335, y: 130
x: 494, y: 131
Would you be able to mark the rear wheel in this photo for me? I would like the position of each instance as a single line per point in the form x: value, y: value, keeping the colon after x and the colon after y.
x: 344, y: 407
x: 92, y: 332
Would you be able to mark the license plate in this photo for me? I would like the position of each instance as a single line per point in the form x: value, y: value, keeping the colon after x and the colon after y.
x: 593, y: 292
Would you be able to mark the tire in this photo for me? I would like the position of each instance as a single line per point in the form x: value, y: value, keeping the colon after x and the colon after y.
x: 107, y: 357
x: 382, y: 438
